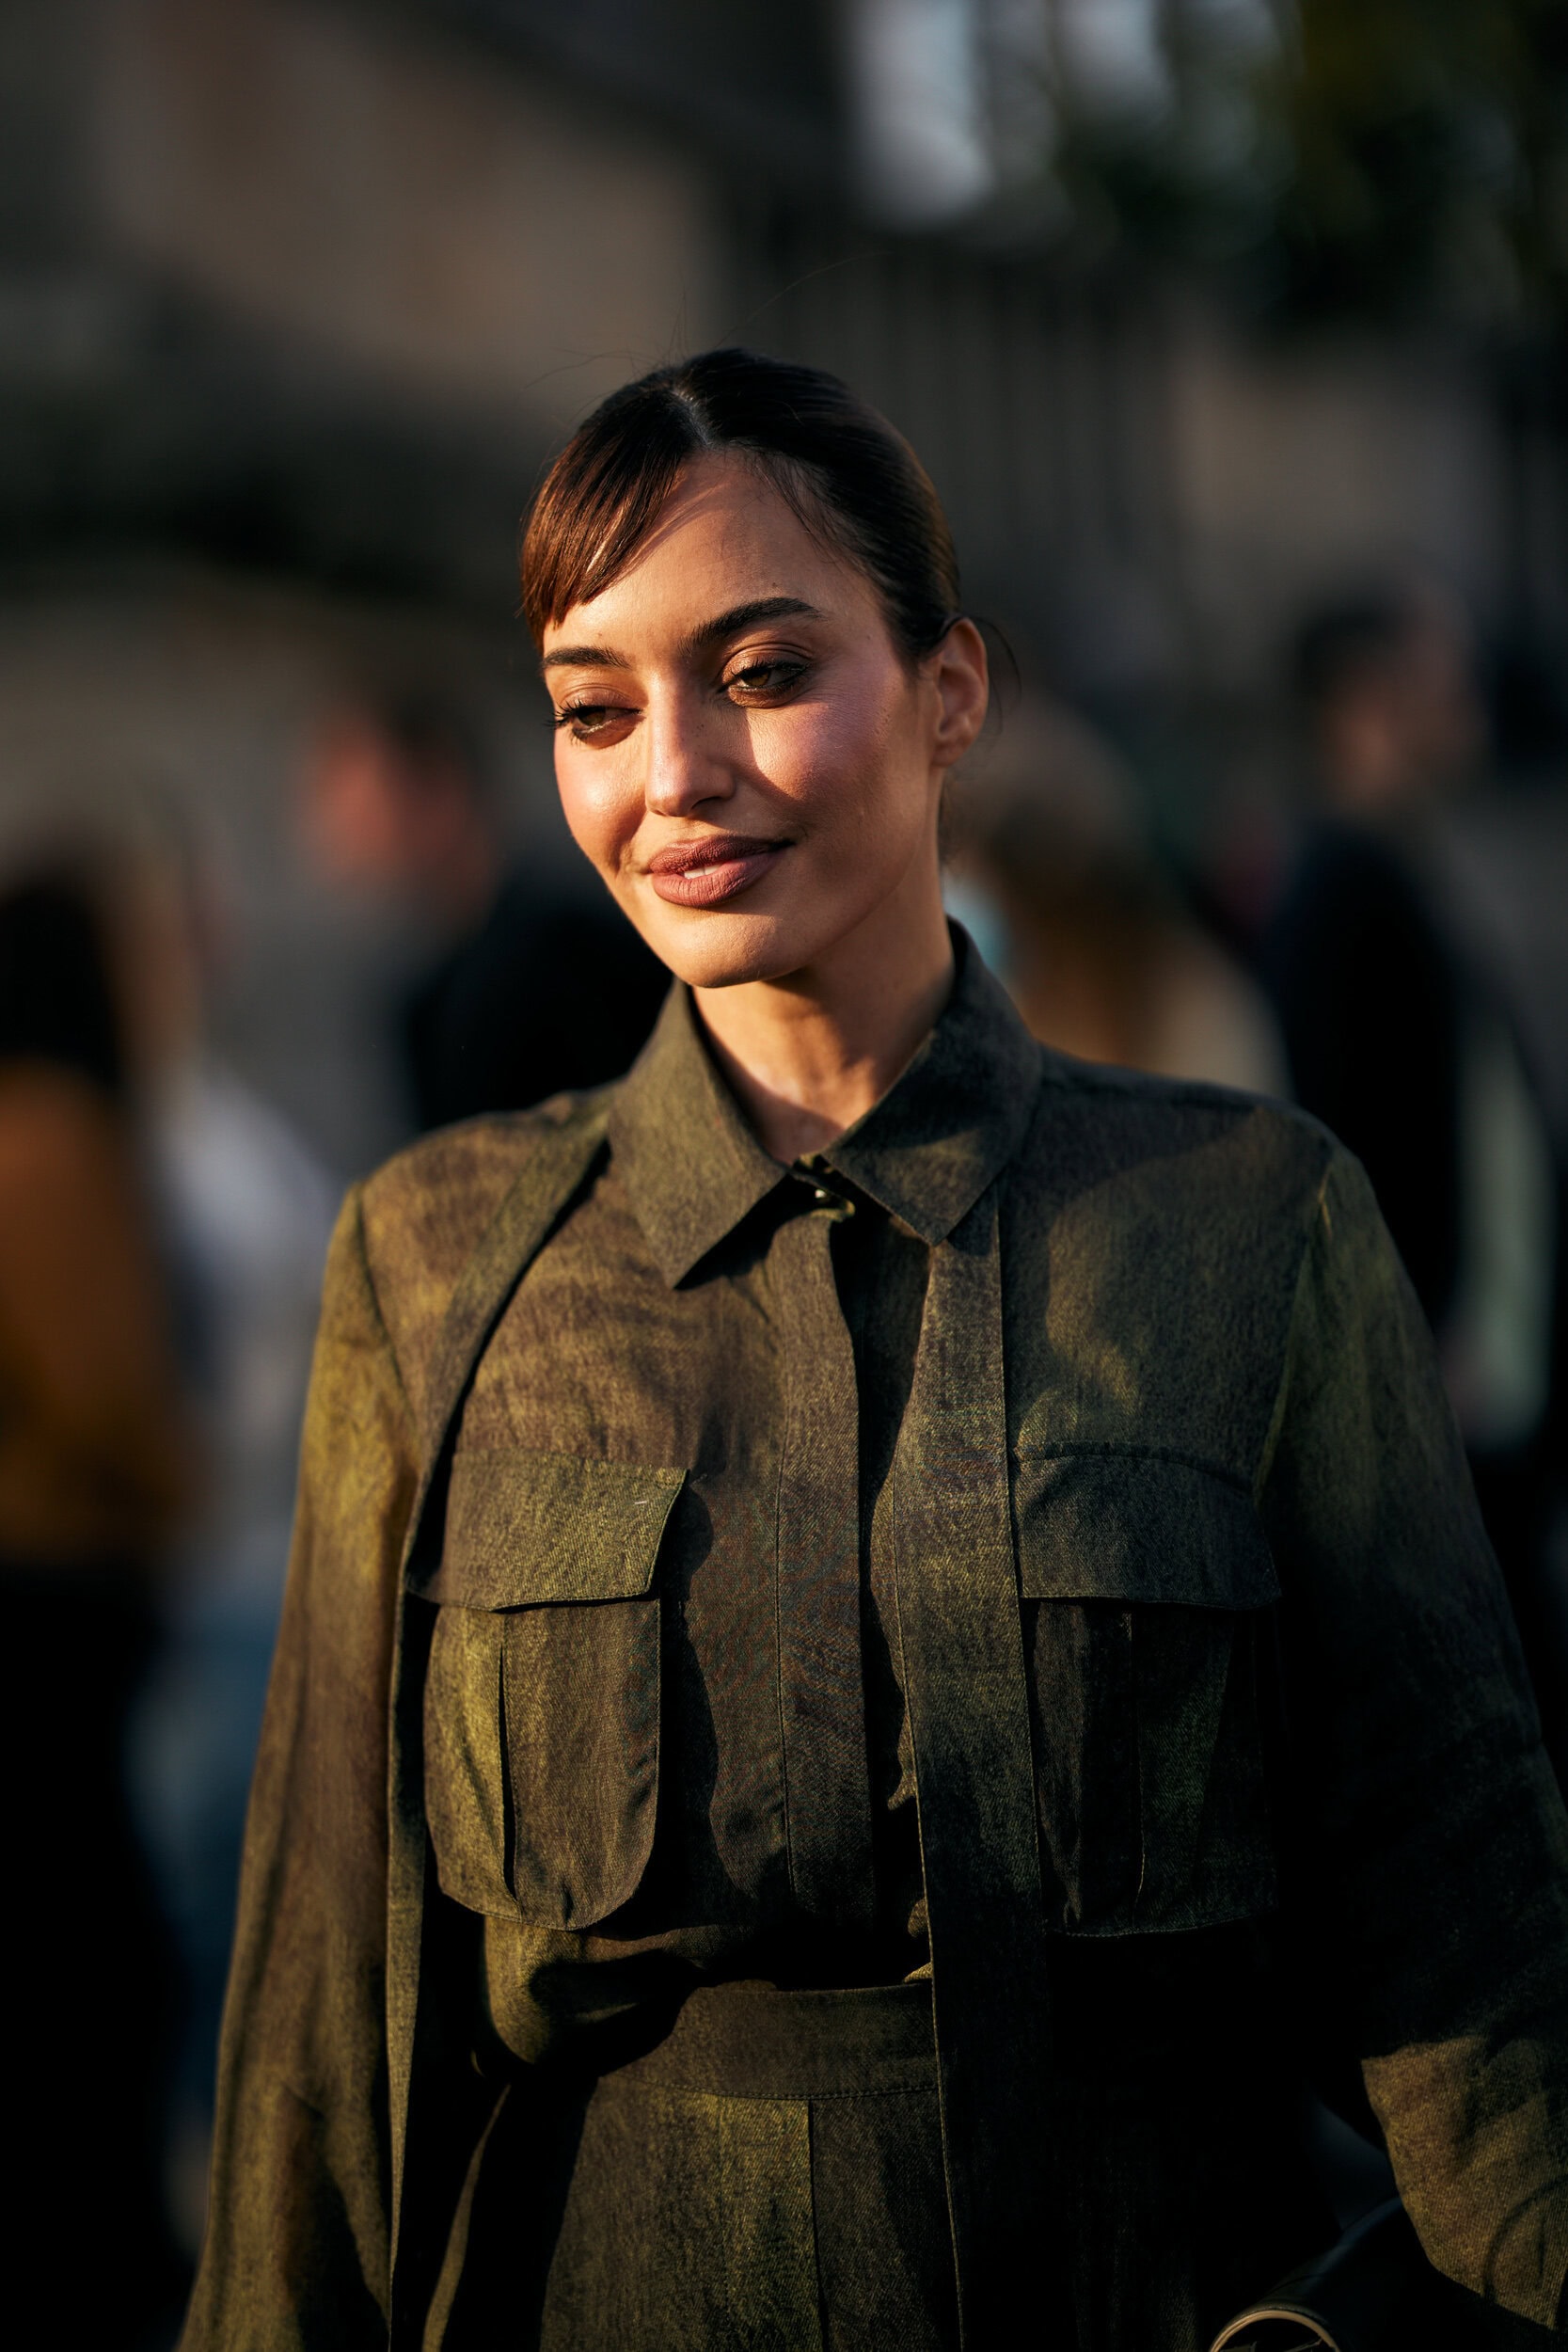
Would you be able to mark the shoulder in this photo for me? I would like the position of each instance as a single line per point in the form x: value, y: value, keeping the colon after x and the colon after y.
x: 1159, y: 1232
x: 418, y: 1218
x: 1187, y: 1139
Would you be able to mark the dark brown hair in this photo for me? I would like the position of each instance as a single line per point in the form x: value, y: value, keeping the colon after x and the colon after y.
x: 850, y: 477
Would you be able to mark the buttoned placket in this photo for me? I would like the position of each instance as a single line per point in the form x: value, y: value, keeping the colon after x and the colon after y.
x: 967, y: 1691
x: 821, y: 1684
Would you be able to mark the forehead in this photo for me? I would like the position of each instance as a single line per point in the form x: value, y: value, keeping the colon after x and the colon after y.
x: 725, y: 536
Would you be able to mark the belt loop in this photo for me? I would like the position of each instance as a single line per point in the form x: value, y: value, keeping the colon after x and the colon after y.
x: 962, y: 1645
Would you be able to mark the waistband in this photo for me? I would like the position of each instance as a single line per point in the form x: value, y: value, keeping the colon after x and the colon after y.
x: 745, y: 2041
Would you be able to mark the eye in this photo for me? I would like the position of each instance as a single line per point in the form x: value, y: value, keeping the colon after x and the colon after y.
x: 766, y: 680
x: 593, y: 723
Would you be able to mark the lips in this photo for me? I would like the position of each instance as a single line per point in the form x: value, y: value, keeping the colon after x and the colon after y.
x: 706, y: 872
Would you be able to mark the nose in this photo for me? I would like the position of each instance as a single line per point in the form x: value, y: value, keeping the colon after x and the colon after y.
x: 685, y: 757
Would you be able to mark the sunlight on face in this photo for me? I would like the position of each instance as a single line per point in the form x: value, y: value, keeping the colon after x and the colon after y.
x: 741, y: 750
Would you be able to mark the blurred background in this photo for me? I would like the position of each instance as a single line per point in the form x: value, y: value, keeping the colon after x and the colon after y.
x: 1234, y: 334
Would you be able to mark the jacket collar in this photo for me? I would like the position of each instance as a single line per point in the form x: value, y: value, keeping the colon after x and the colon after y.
x: 946, y: 1126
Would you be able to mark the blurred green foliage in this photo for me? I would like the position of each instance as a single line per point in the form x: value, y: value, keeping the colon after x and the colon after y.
x: 1390, y: 159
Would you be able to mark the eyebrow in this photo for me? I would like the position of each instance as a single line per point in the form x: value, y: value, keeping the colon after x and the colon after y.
x: 722, y: 624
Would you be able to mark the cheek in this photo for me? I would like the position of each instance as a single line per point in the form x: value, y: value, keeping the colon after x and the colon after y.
x: 853, y: 760
x: 601, y: 808
x: 875, y: 801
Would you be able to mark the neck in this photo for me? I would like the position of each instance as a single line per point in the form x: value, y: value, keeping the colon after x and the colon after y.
x: 809, y: 1054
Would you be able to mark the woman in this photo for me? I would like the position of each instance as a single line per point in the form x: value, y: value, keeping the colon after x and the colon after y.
x: 94, y: 1476
x: 885, y: 1627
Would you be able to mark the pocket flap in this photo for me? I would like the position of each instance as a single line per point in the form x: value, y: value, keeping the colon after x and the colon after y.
x: 1129, y: 1527
x: 523, y: 1528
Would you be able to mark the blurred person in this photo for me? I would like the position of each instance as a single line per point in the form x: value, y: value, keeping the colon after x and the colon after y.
x: 887, y: 1629
x: 95, y: 1478
x: 244, y: 1211
x: 531, y: 992
x: 1097, y: 953
x: 1403, y: 1044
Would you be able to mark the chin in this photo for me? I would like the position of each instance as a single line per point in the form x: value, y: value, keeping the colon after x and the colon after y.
x: 716, y: 948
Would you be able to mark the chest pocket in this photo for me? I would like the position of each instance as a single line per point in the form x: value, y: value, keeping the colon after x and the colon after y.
x: 542, y: 1695
x: 1146, y: 1587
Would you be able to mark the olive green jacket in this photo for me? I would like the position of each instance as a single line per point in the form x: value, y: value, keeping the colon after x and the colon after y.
x: 1194, y: 1604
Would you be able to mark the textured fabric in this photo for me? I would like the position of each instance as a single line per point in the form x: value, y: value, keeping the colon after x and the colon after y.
x: 963, y: 1671
x: 766, y: 2176
x: 821, y: 1696
x: 1284, y: 1775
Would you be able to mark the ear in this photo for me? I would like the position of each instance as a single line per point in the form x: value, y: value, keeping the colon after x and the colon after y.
x: 960, y: 675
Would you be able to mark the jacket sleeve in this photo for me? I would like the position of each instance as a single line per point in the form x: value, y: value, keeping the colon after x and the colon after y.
x: 1426, y: 1856
x: 297, y: 2237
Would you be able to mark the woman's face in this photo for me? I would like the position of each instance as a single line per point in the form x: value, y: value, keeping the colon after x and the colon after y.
x: 742, y: 750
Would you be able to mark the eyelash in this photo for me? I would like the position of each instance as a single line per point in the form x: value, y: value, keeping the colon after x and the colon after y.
x: 574, y: 715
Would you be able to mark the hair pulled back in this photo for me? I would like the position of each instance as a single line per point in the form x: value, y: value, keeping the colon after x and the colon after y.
x: 852, y: 481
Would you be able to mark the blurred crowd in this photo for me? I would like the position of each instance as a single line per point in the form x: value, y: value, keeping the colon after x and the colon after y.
x: 1374, y: 950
